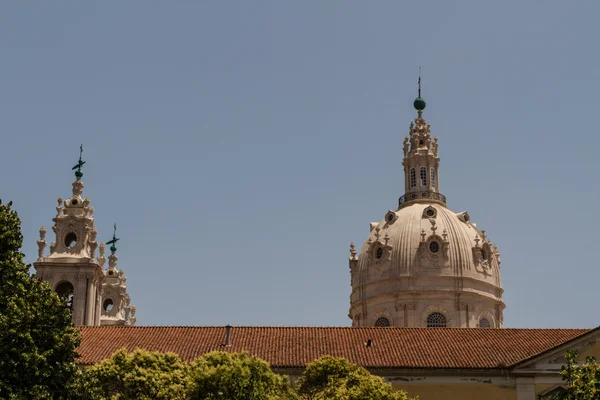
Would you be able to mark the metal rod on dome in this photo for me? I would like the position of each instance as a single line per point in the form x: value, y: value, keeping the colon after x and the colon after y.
x: 419, y: 81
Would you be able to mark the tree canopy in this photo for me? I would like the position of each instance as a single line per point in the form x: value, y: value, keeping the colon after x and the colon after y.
x: 237, y: 376
x: 139, y: 375
x: 583, y: 380
x: 37, y: 338
x: 334, y: 378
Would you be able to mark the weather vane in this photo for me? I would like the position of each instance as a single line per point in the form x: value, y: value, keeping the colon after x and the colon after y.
x: 79, y: 164
x: 114, y: 240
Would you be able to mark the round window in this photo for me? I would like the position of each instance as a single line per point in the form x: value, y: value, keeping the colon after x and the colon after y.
x: 391, y: 217
x: 379, y: 253
x: 434, y: 247
x: 430, y: 213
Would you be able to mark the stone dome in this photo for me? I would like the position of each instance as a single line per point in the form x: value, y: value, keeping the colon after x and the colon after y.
x: 424, y: 265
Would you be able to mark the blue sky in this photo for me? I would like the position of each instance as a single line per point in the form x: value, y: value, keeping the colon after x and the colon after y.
x: 241, y: 146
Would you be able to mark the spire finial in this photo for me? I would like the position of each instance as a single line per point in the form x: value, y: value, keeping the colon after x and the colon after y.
x: 419, y: 81
x: 114, y: 240
x: 78, y: 173
x: 419, y: 103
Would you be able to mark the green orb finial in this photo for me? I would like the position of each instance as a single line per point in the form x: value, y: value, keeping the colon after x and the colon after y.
x: 419, y: 103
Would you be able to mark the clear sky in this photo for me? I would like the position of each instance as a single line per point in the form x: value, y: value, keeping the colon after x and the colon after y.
x: 241, y: 146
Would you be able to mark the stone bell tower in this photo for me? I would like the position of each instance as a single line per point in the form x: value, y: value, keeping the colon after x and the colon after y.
x: 70, y: 267
x: 116, y: 303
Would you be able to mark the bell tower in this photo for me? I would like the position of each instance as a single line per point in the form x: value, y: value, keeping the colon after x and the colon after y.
x: 116, y: 306
x: 70, y: 267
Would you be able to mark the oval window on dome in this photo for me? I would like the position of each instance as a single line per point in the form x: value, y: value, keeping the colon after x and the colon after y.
x: 434, y: 246
x: 379, y: 253
x: 430, y: 212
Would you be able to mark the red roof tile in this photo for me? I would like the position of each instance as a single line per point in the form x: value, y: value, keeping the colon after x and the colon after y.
x: 298, y: 346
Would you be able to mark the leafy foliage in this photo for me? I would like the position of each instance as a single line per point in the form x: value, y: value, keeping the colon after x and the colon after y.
x: 137, y: 375
x: 336, y: 379
x: 37, y: 338
x: 237, y: 376
x: 583, y: 381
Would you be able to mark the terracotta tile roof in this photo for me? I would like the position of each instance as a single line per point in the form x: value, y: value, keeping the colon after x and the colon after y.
x: 298, y: 346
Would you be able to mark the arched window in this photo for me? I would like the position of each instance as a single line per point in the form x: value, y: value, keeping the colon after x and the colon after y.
x: 382, y: 321
x: 65, y: 289
x: 432, y: 177
x: 423, y: 176
x: 108, y: 305
x: 484, y: 323
x: 436, y: 320
x: 413, y: 178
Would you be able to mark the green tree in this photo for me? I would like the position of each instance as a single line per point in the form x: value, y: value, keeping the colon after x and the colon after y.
x: 334, y: 378
x: 139, y: 375
x: 37, y: 338
x: 583, y: 381
x: 237, y: 376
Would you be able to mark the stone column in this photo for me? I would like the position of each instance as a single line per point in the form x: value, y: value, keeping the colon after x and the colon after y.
x: 80, y: 300
x: 90, y: 301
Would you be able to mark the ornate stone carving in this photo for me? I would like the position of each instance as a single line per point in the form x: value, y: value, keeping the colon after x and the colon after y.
x: 112, y: 261
x: 353, y: 251
x: 92, y: 242
x: 482, y: 255
x: 59, y: 208
x: 77, y: 188
x: 101, y: 259
x: 41, y: 243
x: 379, y: 250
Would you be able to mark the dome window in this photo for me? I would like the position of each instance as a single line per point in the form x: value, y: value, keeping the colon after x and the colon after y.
x: 413, y: 178
x: 434, y: 246
x: 390, y: 216
x: 464, y: 216
x: 423, y: 176
x: 484, y: 323
x: 436, y: 320
x: 379, y: 253
x: 429, y: 212
x: 382, y: 321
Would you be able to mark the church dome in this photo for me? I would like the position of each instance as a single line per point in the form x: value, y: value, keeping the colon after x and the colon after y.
x: 424, y: 265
